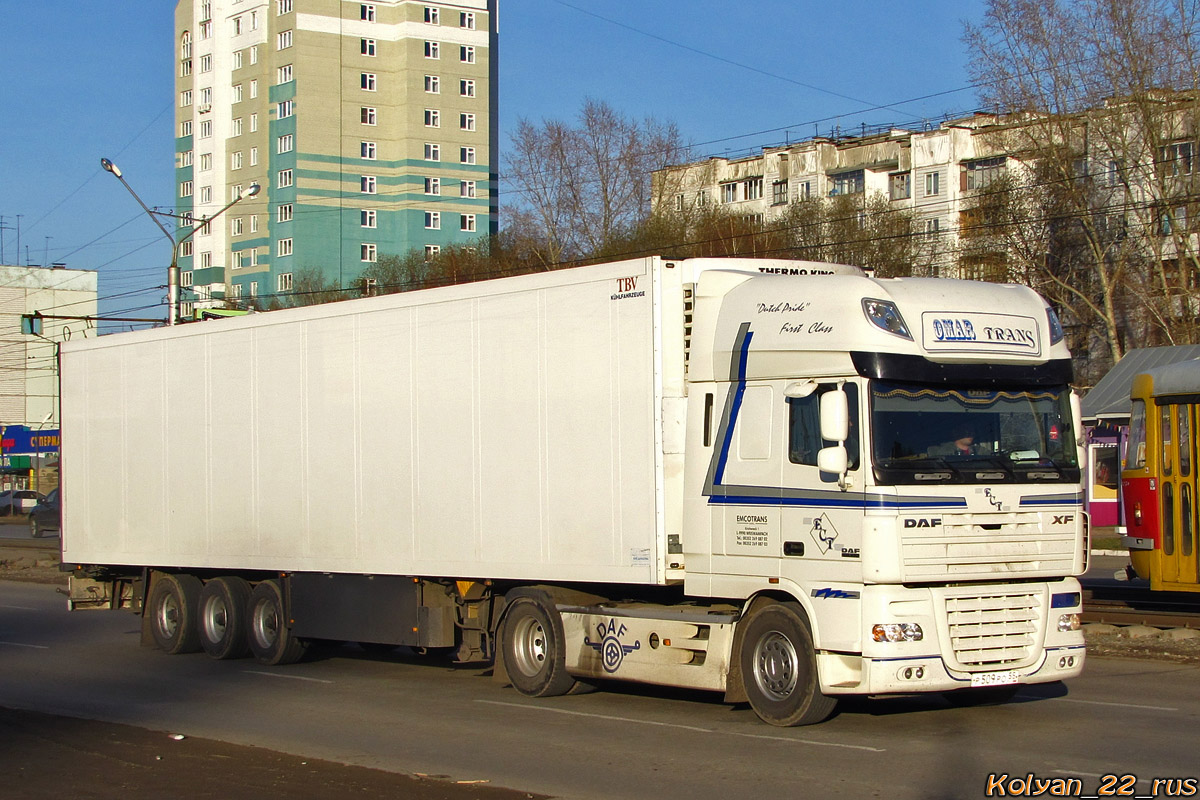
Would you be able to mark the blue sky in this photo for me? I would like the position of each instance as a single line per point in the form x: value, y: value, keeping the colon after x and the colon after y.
x: 89, y: 79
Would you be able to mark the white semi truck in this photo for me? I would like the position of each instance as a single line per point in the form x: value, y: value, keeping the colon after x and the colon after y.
x: 785, y: 481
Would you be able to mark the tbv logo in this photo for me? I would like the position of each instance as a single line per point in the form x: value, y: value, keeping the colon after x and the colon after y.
x: 627, y: 284
x: 922, y: 523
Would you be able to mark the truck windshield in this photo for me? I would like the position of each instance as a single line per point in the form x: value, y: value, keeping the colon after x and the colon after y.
x: 925, y: 434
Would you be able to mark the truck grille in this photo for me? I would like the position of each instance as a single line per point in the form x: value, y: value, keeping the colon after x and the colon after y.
x: 994, y: 631
x: 986, y: 546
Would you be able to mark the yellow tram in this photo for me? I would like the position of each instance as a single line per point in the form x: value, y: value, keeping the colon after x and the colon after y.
x: 1158, y: 482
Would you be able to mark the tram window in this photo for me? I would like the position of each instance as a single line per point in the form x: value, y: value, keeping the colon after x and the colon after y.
x: 1185, y: 439
x: 1168, y: 518
x: 1135, y: 449
x: 1165, y: 440
x: 1185, y: 518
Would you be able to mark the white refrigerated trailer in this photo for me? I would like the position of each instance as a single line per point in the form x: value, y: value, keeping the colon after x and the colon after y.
x: 745, y: 476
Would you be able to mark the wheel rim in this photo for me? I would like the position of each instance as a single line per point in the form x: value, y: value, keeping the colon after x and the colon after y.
x: 215, y: 619
x: 776, y: 666
x: 168, y: 616
x: 33, y: 528
x: 266, y: 625
x: 529, y: 646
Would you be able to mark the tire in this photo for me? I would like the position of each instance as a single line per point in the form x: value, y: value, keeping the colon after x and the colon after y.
x: 267, y: 632
x: 171, y: 609
x: 990, y: 696
x: 779, y: 668
x: 534, y: 656
x: 222, y: 617
x: 34, y: 530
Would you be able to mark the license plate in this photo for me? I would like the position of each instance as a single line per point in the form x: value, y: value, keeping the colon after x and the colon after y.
x: 994, y: 678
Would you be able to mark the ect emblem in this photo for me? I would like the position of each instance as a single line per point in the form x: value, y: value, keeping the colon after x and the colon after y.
x: 823, y: 533
x: 991, y: 498
x: 612, y: 651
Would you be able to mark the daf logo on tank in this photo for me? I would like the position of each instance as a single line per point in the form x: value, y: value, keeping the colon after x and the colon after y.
x: 980, y: 333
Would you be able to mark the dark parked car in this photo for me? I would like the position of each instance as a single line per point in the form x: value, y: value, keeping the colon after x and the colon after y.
x: 46, y: 516
x: 18, y: 501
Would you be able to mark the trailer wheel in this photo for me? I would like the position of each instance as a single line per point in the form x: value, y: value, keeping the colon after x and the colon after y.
x: 222, y: 617
x: 533, y: 649
x: 271, y: 640
x: 171, y: 609
x: 779, y: 668
x: 990, y: 696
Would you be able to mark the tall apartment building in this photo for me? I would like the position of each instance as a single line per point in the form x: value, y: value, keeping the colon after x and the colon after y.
x: 370, y: 128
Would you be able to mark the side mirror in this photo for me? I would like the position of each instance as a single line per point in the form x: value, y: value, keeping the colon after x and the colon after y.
x: 835, y: 416
x: 833, y: 459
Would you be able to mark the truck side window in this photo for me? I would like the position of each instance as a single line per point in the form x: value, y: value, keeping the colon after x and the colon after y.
x: 804, y: 426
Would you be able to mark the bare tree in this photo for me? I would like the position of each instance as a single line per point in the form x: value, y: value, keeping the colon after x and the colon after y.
x: 579, y: 188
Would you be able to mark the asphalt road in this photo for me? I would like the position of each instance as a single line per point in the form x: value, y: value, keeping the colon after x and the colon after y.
x: 406, y: 714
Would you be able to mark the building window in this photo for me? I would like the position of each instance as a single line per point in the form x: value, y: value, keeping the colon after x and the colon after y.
x: 186, y: 278
x: 432, y: 16
x: 285, y: 109
x: 234, y: 191
x: 983, y: 172
x: 254, y: 54
x: 431, y: 251
x: 466, y: 122
x: 366, y: 115
x: 237, y: 59
x: 367, y: 150
x: 466, y: 189
x: 433, y: 84
x: 1176, y: 159
x: 185, y: 158
x: 185, y: 68
x: 283, y: 283
x: 804, y: 190
x: 433, y: 186
x: 466, y: 87
x: 185, y: 188
x: 284, y: 213
x: 254, y: 223
x: 237, y: 287
x: 366, y: 218
x: 283, y: 6
x: 237, y: 93
x: 205, y: 99
x: 254, y: 20
x: 433, y: 220
x: 433, y: 119
x: 753, y: 188
x: 284, y: 248
x: 900, y: 186
x: 432, y: 50
x: 779, y: 193
x: 235, y: 226
x: 366, y: 12
x: 932, y: 227
x: 206, y: 63
x: 367, y: 252
x: 366, y: 81
x: 235, y: 160
x: 466, y: 222
x: 254, y: 156
x: 206, y: 129
x: 367, y: 184
x: 185, y: 98
x: 284, y: 179
x: 185, y: 249
x: 466, y: 19
x: 206, y: 260
x: 205, y: 195
x: 253, y: 88
x: 286, y: 143
x: 466, y: 54
x: 729, y: 192
x: 254, y: 122
x: 283, y: 40
x: 237, y: 26
x: 848, y: 183
x: 366, y: 47
x: 185, y: 128
x: 206, y: 29
x: 284, y: 74
x: 466, y: 155
x: 433, y: 152
x: 185, y: 45
x: 253, y: 284
x: 933, y: 184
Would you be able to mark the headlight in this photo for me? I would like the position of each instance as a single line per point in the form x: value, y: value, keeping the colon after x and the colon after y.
x: 897, y: 632
x: 1064, y: 600
x: 1068, y: 622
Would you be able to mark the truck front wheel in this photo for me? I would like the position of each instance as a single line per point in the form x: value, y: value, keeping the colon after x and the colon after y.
x: 533, y: 649
x: 779, y: 668
x: 271, y: 640
x: 222, y: 617
x: 171, y: 609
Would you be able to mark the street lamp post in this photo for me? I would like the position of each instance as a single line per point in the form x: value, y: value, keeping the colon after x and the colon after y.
x: 173, y: 270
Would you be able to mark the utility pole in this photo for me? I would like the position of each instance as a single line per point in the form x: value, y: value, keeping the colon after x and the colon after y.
x: 3, y: 228
x: 19, y: 238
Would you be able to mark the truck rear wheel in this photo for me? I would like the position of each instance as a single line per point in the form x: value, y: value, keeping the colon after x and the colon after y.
x: 223, y: 617
x: 779, y: 668
x: 171, y: 609
x: 271, y: 640
x: 534, y: 655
